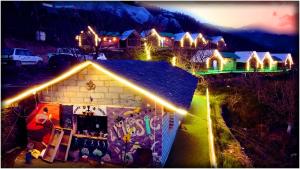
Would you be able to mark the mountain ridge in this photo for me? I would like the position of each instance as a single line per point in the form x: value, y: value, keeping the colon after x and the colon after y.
x: 63, y: 20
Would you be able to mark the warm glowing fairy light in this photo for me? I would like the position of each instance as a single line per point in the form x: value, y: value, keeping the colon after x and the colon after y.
x: 140, y: 89
x: 181, y: 42
x: 154, y: 32
x: 212, y: 154
x: 207, y: 63
x: 219, y: 56
x: 290, y: 59
x: 79, y: 41
x: 34, y: 90
x: 96, y: 39
x: 188, y: 36
x: 258, y: 61
x: 268, y: 56
x: 174, y: 60
x: 196, y: 39
x: 148, y: 51
x: 79, y: 67
x: 193, y: 71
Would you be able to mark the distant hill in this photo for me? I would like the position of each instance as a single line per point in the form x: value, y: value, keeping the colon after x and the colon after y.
x: 63, y: 20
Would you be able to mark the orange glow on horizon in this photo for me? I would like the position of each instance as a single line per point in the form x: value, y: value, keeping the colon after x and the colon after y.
x: 278, y: 17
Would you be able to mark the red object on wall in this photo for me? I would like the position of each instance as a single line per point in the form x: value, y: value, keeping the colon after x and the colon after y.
x: 42, y: 132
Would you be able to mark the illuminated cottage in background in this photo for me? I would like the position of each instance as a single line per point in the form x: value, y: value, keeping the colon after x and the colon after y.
x: 215, y: 60
x: 285, y: 60
x: 268, y: 62
x: 198, y: 40
x: 151, y: 37
x: 130, y: 39
x: 216, y: 42
x: 88, y: 39
x: 109, y: 103
x: 248, y: 60
x: 183, y: 40
x: 167, y: 40
x: 109, y: 40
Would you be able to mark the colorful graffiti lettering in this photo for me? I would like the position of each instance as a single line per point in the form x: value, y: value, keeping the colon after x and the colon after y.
x: 147, y: 124
x: 144, y: 128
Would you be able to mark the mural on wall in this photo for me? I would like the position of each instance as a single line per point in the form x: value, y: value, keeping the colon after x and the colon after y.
x: 89, y: 110
x: 41, y: 121
x: 142, y: 126
x: 92, y: 148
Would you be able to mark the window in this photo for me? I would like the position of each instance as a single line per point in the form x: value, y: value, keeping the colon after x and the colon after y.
x: 21, y: 52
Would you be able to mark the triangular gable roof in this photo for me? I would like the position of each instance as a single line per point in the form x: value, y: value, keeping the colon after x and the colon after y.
x: 145, y: 33
x: 173, y: 89
x: 215, y: 39
x: 195, y: 35
x: 127, y: 33
x: 281, y: 57
x: 261, y: 55
x: 179, y: 36
x: 148, y: 32
x: 244, y: 55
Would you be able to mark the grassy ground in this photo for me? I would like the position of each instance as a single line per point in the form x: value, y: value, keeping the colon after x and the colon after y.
x: 228, y: 150
x: 235, y: 71
x: 190, y: 148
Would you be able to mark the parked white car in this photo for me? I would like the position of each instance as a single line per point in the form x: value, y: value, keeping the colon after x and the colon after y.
x: 19, y: 56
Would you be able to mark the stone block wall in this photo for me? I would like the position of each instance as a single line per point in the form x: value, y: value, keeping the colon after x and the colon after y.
x: 107, y: 92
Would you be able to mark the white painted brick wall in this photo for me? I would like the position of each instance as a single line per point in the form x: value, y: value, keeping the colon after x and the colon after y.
x: 74, y: 91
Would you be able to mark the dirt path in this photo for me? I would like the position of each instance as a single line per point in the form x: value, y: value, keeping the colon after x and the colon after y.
x: 190, y: 148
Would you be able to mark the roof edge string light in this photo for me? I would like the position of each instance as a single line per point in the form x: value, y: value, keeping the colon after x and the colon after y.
x: 79, y: 67
x: 34, y: 90
x: 140, y: 89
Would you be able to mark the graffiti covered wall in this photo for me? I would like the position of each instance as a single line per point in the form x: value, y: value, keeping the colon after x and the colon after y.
x: 144, y: 125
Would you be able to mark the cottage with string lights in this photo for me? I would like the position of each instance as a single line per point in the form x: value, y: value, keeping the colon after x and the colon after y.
x: 122, y: 112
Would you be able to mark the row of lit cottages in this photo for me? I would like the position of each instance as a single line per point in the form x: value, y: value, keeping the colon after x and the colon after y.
x: 242, y: 60
x: 133, y: 39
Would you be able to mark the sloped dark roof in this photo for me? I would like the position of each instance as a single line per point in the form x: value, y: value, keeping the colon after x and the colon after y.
x: 229, y: 55
x: 105, y: 33
x: 171, y: 83
x: 276, y: 58
x: 127, y: 33
x: 166, y: 34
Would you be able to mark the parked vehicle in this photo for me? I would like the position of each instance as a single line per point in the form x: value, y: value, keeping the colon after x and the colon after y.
x: 19, y: 56
x: 62, y: 61
x: 72, y: 52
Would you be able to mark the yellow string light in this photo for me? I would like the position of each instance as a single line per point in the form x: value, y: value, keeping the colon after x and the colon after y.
x: 174, y: 60
x: 79, y: 67
x: 218, y: 54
